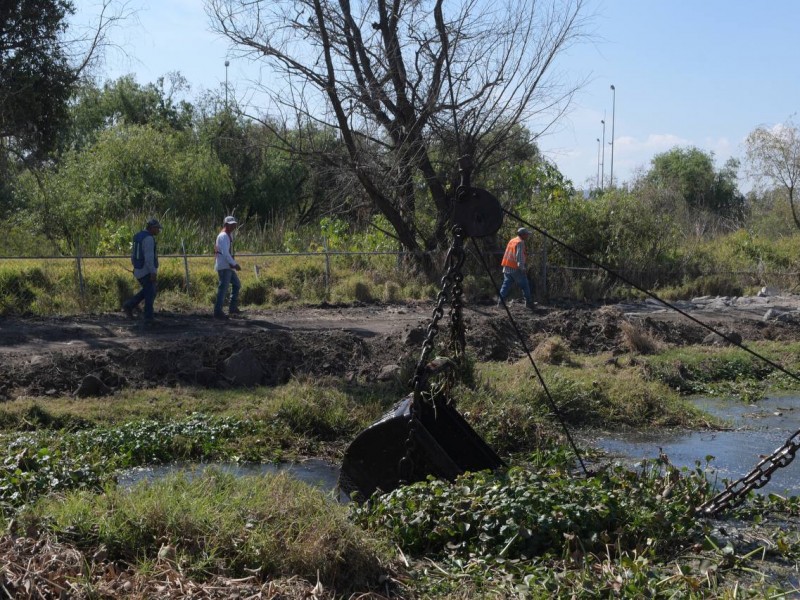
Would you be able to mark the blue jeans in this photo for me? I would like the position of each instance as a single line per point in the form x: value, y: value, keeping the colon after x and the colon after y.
x: 147, y: 293
x: 227, y: 277
x: 521, y: 279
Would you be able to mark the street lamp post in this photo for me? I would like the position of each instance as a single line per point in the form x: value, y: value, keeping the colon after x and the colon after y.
x: 603, y: 164
x: 613, y: 111
x: 227, y: 64
x: 598, y: 163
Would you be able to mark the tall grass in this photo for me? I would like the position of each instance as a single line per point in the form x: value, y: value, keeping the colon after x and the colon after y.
x: 218, y: 524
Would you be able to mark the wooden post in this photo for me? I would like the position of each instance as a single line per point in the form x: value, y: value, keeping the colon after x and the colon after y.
x: 81, y: 285
x: 543, y: 284
x: 327, y: 267
x: 185, y: 265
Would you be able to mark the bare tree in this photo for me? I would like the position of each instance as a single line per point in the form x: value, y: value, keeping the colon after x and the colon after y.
x: 410, y: 83
x: 774, y: 154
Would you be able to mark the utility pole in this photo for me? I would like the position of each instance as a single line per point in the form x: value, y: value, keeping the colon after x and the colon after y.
x: 613, y: 110
x: 598, y: 164
x: 603, y: 164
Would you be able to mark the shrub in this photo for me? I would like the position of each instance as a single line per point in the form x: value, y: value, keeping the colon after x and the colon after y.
x: 391, y: 292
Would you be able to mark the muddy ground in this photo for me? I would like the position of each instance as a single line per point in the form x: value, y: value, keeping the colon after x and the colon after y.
x: 97, y: 354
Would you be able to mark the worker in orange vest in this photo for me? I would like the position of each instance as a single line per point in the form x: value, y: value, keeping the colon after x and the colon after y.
x: 514, y: 264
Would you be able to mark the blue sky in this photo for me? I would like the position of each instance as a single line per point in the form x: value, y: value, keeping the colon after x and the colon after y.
x: 698, y: 73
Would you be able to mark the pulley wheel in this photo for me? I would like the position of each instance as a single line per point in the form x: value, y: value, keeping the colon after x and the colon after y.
x: 478, y: 213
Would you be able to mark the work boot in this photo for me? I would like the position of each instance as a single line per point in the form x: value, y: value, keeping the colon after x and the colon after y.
x: 127, y: 310
x: 220, y: 315
x: 531, y: 305
x: 235, y: 311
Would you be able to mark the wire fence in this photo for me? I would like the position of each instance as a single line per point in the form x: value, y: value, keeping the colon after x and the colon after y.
x: 101, y: 282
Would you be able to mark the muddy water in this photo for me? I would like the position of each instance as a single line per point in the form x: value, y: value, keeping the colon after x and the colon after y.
x: 317, y: 473
x: 756, y: 430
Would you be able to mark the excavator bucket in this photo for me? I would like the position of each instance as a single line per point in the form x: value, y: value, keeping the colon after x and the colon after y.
x: 444, y: 445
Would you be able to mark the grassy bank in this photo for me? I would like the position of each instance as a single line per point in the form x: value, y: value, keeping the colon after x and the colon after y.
x: 536, y: 530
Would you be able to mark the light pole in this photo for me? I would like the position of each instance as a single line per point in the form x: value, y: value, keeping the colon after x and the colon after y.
x: 603, y: 164
x: 598, y: 163
x: 613, y: 110
x: 227, y: 64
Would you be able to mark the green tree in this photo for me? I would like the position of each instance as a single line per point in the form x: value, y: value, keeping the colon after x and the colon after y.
x: 125, y: 102
x: 689, y: 174
x: 129, y: 169
x: 36, y: 77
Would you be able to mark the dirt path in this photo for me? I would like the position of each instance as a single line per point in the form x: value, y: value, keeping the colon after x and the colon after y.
x: 108, y: 351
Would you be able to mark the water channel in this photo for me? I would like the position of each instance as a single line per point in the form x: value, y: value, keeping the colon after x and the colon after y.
x: 755, y: 430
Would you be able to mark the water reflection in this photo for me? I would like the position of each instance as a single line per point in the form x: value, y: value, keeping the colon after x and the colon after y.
x: 317, y: 473
x: 756, y: 431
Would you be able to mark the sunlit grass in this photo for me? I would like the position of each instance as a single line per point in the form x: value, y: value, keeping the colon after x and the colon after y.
x: 58, y: 286
x: 218, y: 524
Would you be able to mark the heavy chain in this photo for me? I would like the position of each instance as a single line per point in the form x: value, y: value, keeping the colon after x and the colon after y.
x: 735, y: 493
x: 450, y: 288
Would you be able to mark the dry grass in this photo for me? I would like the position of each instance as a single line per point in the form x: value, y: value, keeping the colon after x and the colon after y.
x: 553, y: 351
x: 637, y: 340
x: 41, y: 567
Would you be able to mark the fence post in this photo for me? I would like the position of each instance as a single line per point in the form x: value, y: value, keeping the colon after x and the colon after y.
x: 81, y: 285
x: 185, y: 265
x: 327, y: 267
x: 543, y: 296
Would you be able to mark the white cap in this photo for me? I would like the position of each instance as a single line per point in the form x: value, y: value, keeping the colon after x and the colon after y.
x: 229, y: 221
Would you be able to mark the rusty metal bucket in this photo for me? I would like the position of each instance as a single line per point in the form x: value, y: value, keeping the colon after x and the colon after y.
x: 444, y: 445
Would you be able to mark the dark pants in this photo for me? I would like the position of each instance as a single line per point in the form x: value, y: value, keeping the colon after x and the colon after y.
x: 227, y: 277
x: 147, y: 293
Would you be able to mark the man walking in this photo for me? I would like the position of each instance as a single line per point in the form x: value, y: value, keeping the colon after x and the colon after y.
x: 515, y: 261
x: 226, y: 267
x: 144, y: 257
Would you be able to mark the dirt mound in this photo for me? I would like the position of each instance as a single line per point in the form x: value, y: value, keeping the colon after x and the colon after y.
x: 95, y: 355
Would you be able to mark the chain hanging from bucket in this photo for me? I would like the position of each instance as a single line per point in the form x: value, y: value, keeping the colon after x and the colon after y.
x: 476, y: 213
x: 451, y: 288
x: 736, y: 492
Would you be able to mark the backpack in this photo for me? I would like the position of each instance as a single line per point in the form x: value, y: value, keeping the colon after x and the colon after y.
x: 137, y: 252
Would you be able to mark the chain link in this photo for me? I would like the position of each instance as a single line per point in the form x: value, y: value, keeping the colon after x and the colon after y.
x: 450, y: 288
x: 735, y: 493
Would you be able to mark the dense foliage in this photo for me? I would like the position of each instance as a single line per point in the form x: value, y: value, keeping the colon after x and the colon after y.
x: 128, y: 150
x: 36, y: 78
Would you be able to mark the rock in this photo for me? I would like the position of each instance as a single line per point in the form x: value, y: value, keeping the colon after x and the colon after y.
x: 92, y: 386
x: 206, y: 377
x: 767, y: 291
x: 772, y: 315
x: 389, y: 372
x: 415, y: 336
x: 712, y: 339
x: 244, y: 368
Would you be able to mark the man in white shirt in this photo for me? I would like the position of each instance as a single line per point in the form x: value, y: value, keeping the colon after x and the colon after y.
x: 226, y: 267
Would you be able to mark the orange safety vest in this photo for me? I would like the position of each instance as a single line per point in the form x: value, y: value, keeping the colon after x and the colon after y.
x: 510, y: 256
